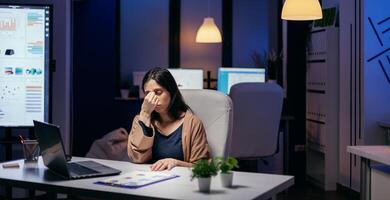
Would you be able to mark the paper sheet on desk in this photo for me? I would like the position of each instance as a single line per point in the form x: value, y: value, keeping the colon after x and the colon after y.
x: 137, y: 179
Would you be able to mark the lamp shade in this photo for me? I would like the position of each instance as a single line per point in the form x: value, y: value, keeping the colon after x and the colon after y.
x: 301, y: 10
x: 208, y: 32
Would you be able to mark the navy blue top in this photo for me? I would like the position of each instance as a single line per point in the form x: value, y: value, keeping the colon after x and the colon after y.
x: 165, y: 146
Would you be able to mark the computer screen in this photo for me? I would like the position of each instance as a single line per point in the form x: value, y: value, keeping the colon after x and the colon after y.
x: 24, y: 64
x: 188, y: 78
x: 138, y: 76
x: 227, y: 77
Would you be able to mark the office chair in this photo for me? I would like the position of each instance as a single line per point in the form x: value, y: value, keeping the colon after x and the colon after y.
x: 256, y: 117
x: 215, y: 110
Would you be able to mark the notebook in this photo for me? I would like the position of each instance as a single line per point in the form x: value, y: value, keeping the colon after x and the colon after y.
x: 137, y: 179
x: 53, y: 155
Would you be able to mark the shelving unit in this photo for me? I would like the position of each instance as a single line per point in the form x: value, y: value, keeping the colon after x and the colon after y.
x: 322, y: 96
x: 127, y: 99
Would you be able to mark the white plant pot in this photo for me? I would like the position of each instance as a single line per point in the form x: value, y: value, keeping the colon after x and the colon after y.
x: 227, y: 179
x: 204, y: 184
x: 125, y: 93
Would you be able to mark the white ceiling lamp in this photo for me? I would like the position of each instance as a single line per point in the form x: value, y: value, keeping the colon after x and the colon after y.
x: 208, y: 32
x: 301, y: 10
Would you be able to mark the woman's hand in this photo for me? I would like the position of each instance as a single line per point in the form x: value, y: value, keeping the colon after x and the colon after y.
x: 164, y: 164
x: 149, y: 104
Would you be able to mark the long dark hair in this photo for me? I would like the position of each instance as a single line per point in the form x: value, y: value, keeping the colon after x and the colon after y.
x: 165, y: 79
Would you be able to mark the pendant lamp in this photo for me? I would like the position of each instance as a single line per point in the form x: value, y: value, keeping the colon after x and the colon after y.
x: 301, y: 10
x: 208, y: 32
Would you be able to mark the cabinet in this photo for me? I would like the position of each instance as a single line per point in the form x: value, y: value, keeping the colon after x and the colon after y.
x: 322, y: 96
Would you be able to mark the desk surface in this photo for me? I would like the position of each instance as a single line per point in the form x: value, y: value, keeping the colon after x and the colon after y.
x: 246, y: 185
x: 384, y: 124
x: 376, y: 153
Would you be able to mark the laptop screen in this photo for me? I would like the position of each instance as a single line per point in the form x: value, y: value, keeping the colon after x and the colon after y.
x: 50, y: 144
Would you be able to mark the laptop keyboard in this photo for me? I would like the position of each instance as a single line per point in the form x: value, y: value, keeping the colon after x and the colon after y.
x: 79, y: 169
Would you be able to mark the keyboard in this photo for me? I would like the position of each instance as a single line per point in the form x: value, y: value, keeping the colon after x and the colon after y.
x: 80, y: 170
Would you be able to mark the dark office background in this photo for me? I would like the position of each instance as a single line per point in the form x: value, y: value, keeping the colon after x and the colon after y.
x: 96, y: 75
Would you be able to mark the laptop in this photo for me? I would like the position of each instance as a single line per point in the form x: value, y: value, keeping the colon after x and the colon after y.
x: 53, y: 155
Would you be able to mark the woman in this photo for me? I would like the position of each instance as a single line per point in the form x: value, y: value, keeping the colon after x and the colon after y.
x: 166, y: 132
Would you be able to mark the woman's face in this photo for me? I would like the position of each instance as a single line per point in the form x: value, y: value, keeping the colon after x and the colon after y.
x: 164, y: 98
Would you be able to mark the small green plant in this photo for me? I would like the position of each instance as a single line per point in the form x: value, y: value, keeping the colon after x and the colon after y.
x: 226, y: 165
x: 204, y: 169
x: 271, y: 61
x: 274, y: 62
x: 125, y: 84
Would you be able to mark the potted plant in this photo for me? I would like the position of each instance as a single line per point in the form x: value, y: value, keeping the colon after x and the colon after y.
x: 274, y: 61
x: 203, y: 170
x: 271, y: 61
x: 226, y: 166
x: 125, y: 89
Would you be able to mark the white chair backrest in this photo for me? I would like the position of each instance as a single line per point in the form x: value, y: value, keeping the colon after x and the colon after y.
x: 257, y: 112
x: 215, y: 110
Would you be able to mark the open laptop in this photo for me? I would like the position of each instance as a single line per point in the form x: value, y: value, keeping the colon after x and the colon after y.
x: 53, y: 155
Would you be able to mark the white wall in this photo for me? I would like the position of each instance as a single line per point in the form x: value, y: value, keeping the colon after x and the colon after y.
x: 144, y: 35
x: 198, y: 55
x: 376, y: 86
x: 62, y: 53
x: 252, y: 27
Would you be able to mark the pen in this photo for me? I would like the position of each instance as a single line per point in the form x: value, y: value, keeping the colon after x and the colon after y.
x: 11, y: 165
x: 21, y: 139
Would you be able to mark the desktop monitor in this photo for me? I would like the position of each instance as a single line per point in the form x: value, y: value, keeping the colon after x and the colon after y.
x: 227, y: 77
x: 25, y: 55
x: 188, y: 78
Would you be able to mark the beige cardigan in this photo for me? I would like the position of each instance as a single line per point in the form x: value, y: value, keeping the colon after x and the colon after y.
x: 194, y: 141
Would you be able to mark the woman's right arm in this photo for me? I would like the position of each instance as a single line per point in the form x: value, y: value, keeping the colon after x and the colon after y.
x: 140, y: 142
x: 139, y: 146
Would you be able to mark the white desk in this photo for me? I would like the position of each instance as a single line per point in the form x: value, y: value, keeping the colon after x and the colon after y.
x: 246, y: 185
x: 367, y: 153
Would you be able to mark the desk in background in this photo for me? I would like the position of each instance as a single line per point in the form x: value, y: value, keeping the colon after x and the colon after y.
x: 367, y: 154
x: 246, y: 185
x: 386, y: 125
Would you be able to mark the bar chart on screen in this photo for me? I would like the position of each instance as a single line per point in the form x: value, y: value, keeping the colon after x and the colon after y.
x: 11, y: 24
x: 8, y: 24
